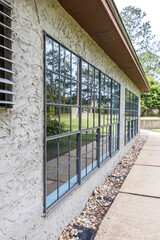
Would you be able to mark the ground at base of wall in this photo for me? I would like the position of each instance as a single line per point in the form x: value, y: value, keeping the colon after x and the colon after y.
x: 86, y: 225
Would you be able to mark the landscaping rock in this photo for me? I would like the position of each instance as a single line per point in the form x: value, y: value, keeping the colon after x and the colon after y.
x: 85, y: 226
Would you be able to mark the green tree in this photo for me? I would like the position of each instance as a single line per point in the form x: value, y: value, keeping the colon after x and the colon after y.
x: 143, y: 40
x: 151, y: 100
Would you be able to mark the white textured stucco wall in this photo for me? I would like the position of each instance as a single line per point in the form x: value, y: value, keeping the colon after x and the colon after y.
x: 21, y: 129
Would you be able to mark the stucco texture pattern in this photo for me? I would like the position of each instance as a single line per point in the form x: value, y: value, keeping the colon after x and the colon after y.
x: 21, y: 132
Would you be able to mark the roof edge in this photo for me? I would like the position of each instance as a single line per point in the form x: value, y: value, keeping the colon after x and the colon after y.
x: 118, y: 18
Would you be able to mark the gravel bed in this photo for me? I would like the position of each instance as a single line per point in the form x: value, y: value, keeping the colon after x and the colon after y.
x: 85, y: 226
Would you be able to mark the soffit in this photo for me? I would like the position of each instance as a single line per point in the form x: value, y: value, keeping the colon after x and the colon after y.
x: 101, y: 21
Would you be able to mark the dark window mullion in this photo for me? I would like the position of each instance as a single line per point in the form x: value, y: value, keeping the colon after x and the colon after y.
x: 99, y: 122
x: 69, y: 165
x: 111, y: 118
x: 80, y: 122
x: 58, y: 169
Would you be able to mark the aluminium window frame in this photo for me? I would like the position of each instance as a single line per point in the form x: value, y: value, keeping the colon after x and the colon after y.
x: 79, y: 132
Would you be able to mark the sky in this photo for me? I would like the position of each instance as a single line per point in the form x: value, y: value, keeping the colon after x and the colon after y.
x: 150, y: 7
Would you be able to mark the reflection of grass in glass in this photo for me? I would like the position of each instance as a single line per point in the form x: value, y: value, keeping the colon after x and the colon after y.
x: 52, y: 145
x: 155, y: 130
x: 65, y: 118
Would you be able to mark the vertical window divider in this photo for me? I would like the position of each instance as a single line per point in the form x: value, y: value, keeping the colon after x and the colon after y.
x: 111, y: 123
x: 58, y: 169
x: 119, y: 117
x: 80, y: 122
x: 69, y: 161
x: 59, y: 108
x: 44, y: 138
x: 129, y: 137
x: 71, y: 93
x: 99, y: 122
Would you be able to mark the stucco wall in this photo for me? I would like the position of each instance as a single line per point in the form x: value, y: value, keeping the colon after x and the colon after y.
x: 21, y: 132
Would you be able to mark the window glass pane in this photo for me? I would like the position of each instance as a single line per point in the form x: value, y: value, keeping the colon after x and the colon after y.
x: 91, y: 117
x: 68, y: 63
x: 89, y: 141
x: 95, y: 162
x: 63, y: 150
x: 95, y: 136
x: 90, y: 96
x: 73, y: 147
x: 105, y: 117
x: 102, y: 116
x: 75, y: 92
x: 84, y: 95
x: 65, y: 90
x: 75, y: 119
x: 73, y: 174
x: 91, y: 75
x: 65, y: 119
x: 83, y: 166
x: 75, y: 67
x: 101, y: 136
x: 52, y: 120
x: 56, y: 57
x: 96, y: 78
x: 102, y: 98
x: 89, y: 162
x: 96, y: 103
x: 51, y: 188
x: 103, y: 82
x: 49, y: 53
x: 85, y: 72
x: 62, y: 60
x: 84, y: 143
x: 52, y: 150
x: 84, y: 118
x: 52, y: 87
x: 63, y: 180
x: 96, y: 117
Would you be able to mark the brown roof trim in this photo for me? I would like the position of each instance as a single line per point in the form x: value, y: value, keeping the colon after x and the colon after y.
x: 101, y: 20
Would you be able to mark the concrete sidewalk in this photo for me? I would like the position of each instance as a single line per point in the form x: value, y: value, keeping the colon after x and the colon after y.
x: 135, y: 213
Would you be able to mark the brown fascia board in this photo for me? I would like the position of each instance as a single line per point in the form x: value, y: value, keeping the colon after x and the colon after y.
x: 101, y: 20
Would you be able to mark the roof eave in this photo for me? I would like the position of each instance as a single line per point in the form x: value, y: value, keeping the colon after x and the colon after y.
x: 108, y: 31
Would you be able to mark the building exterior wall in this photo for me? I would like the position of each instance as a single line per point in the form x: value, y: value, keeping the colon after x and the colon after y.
x: 22, y: 132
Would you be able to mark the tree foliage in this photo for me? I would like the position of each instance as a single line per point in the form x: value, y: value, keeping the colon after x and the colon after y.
x: 143, y: 40
x: 151, y: 100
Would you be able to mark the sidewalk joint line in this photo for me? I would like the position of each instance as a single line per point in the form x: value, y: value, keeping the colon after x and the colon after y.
x: 141, y: 195
x: 151, y: 150
x: 146, y: 165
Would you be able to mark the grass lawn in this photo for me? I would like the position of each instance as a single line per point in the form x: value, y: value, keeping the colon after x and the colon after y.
x: 155, y: 130
x: 151, y: 117
x: 52, y: 150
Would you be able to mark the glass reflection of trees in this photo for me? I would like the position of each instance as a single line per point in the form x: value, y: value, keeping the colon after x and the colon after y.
x: 80, y: 130
x: 131, y: 115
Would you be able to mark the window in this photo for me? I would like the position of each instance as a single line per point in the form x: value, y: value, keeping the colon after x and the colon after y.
x: 82, y: 120
x: 131, y: 116
x: 6, y: 83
